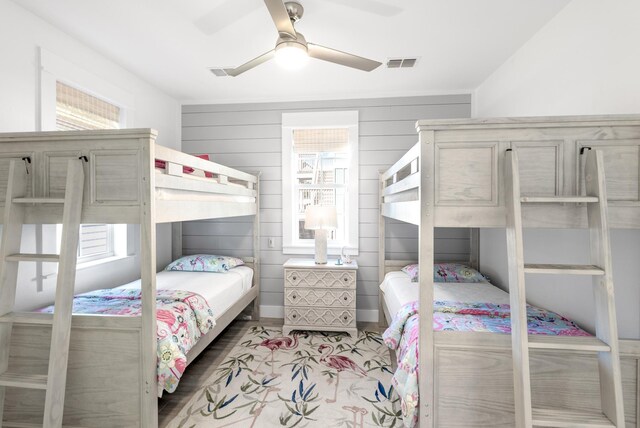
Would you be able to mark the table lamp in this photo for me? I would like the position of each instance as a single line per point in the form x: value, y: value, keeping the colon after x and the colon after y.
x: 320, y: 219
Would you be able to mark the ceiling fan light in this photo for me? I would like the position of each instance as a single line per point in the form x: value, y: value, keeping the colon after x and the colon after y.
x: 291, y: 55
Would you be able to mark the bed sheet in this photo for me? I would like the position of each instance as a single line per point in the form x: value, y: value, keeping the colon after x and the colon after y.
x: 220, y: 290
x: 399, y: 291
x: 470, y: 307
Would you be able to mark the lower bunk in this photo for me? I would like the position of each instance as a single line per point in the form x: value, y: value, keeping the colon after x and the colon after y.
x: 473, y: 373
x: 105, y: 375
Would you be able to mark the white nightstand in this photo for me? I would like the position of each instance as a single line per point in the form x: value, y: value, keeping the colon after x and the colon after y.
x: 319, y: 297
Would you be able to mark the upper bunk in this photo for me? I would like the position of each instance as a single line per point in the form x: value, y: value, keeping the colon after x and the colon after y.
x: 457, y: 168
x: 126, y: 175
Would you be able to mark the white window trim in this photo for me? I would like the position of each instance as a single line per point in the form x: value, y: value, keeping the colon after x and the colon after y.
x: 315, y: 120
x: 54, y: 68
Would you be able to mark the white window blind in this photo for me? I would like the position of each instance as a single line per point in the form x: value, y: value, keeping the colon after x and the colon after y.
x: 78, y: 110
x: 96, y: 241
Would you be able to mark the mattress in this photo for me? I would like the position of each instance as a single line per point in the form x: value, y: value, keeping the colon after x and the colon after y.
x: 399, y: 290
x: 220, y: 290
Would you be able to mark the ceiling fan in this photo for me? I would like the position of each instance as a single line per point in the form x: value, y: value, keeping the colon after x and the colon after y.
x: 292, y: 50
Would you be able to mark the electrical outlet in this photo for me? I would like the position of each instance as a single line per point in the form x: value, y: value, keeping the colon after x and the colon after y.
x: 271, y: 243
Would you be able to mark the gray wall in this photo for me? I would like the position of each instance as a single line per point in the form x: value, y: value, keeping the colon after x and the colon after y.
x: 248, y: 137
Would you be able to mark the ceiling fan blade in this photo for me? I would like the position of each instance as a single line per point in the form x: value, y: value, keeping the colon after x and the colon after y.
x: 233, y: 72
x: 371, y: 6
x: 280, y: 17
x: 342, y: 58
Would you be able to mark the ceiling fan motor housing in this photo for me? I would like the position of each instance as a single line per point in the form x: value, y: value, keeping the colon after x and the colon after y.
x: 295, y: 10
x: 285, y: 40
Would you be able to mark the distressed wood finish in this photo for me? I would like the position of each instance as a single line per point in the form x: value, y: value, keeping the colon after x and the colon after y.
x: 461, y: 184
x: 122, y: 186
x: 116, y: 177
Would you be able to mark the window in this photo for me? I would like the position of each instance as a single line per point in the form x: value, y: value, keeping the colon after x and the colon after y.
x: 77, y: 110
x: 320, y: 167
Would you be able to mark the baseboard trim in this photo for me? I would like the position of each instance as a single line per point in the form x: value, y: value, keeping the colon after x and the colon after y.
x: 362, y: 315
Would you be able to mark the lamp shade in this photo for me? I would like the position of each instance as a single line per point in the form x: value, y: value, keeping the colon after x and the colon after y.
x: 318, y: 217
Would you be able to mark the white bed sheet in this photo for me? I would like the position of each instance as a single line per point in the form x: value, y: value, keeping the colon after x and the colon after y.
x: 399, y: 290
x: 221, y: 290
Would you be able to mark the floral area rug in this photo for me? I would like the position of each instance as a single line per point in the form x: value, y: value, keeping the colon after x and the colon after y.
x: 306, y: 379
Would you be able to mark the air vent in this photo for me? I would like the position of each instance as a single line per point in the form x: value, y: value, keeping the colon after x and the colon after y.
x: 401, y: 62
x: 219, y: 72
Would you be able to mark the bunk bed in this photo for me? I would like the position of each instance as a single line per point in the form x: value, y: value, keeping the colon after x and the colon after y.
x: 453, y: 177
x: 129, y: 179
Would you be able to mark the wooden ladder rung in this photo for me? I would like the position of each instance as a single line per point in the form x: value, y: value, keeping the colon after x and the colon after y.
x: 560, y: 269
x: 565, y: 418
x: 35, y: 318
x: 9, y: 424
x: 23, y: 257
x: 559, y: 199
x: 38, y: 201
x: 568, y: 343
x: 23, y: 380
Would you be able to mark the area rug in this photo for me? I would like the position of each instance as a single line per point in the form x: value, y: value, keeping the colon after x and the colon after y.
x: 306, y: 379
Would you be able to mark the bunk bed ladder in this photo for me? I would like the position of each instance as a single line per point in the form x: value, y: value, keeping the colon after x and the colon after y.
x: 605, y: 344
x: 16, y: 204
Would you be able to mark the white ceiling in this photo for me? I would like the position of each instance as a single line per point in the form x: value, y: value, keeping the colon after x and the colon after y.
x: 172, y: 43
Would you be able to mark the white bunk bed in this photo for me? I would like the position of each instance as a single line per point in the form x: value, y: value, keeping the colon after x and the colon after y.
x: 453, y: 177
x: 112, y: 378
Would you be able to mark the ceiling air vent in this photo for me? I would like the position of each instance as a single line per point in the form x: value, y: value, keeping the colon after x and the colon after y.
x: 219, y: 72
x: 401, y: 62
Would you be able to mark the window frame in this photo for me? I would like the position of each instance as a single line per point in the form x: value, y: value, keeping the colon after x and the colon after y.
x: 53, y: 69
x: 317, y: 120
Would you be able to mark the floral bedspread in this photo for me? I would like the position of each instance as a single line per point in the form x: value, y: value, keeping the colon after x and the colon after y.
x: 402, y: 336
x: 183, y: 318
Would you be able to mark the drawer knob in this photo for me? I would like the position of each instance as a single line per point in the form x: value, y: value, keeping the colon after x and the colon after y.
x: 293, y: 316
x: 346, y: 279
x: 293, y: 297
x: 345, y: 298
x: 294, y: 278
x: 345, y: 317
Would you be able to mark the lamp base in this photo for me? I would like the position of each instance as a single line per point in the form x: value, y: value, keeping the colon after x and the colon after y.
x: 321, y: 247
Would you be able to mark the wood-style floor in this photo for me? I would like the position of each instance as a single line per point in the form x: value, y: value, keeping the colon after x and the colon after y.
x: 202, y: 367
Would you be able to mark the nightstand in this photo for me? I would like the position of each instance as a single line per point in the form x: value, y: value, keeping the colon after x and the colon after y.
x: 320, y: 297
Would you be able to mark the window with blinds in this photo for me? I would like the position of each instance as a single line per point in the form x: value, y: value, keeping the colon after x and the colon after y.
x: 78, y: 110
x: 321, y: 160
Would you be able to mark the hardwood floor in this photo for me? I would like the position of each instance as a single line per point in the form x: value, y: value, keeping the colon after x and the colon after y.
x: 203, y: 366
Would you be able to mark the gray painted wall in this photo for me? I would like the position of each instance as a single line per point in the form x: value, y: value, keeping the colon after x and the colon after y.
x: 248, y: 137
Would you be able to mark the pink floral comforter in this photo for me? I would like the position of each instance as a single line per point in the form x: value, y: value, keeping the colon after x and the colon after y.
x: 183, y: 318
x: 402, y: 336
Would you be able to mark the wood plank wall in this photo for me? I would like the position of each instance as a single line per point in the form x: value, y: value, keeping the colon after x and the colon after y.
x: 248, y: 137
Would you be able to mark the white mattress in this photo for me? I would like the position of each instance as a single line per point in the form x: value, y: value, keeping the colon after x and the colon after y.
x: 399, y: 290
x: 221, y: 290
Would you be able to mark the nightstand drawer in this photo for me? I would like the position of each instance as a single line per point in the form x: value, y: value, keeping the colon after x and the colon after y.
x: 320, y: 317
x: 319, y: 297
x: 314, y: 278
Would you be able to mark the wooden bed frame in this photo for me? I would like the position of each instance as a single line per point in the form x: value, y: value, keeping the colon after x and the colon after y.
x: 453, y: 178
x: 112, y: 376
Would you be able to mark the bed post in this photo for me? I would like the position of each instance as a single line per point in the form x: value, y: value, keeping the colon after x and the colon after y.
x: 474, y: 250
x: 176, y: 240
x: 149, y: 341
x: 256, y: 252
x: 426, y: 259
x: 381, y: 250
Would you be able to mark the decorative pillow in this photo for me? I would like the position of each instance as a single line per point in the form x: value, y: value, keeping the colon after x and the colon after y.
x: 186, y: 169
x: 205, y: 263
x: 447, y: 272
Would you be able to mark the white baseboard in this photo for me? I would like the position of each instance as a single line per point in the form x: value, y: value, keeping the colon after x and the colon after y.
x: 362, y: 315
